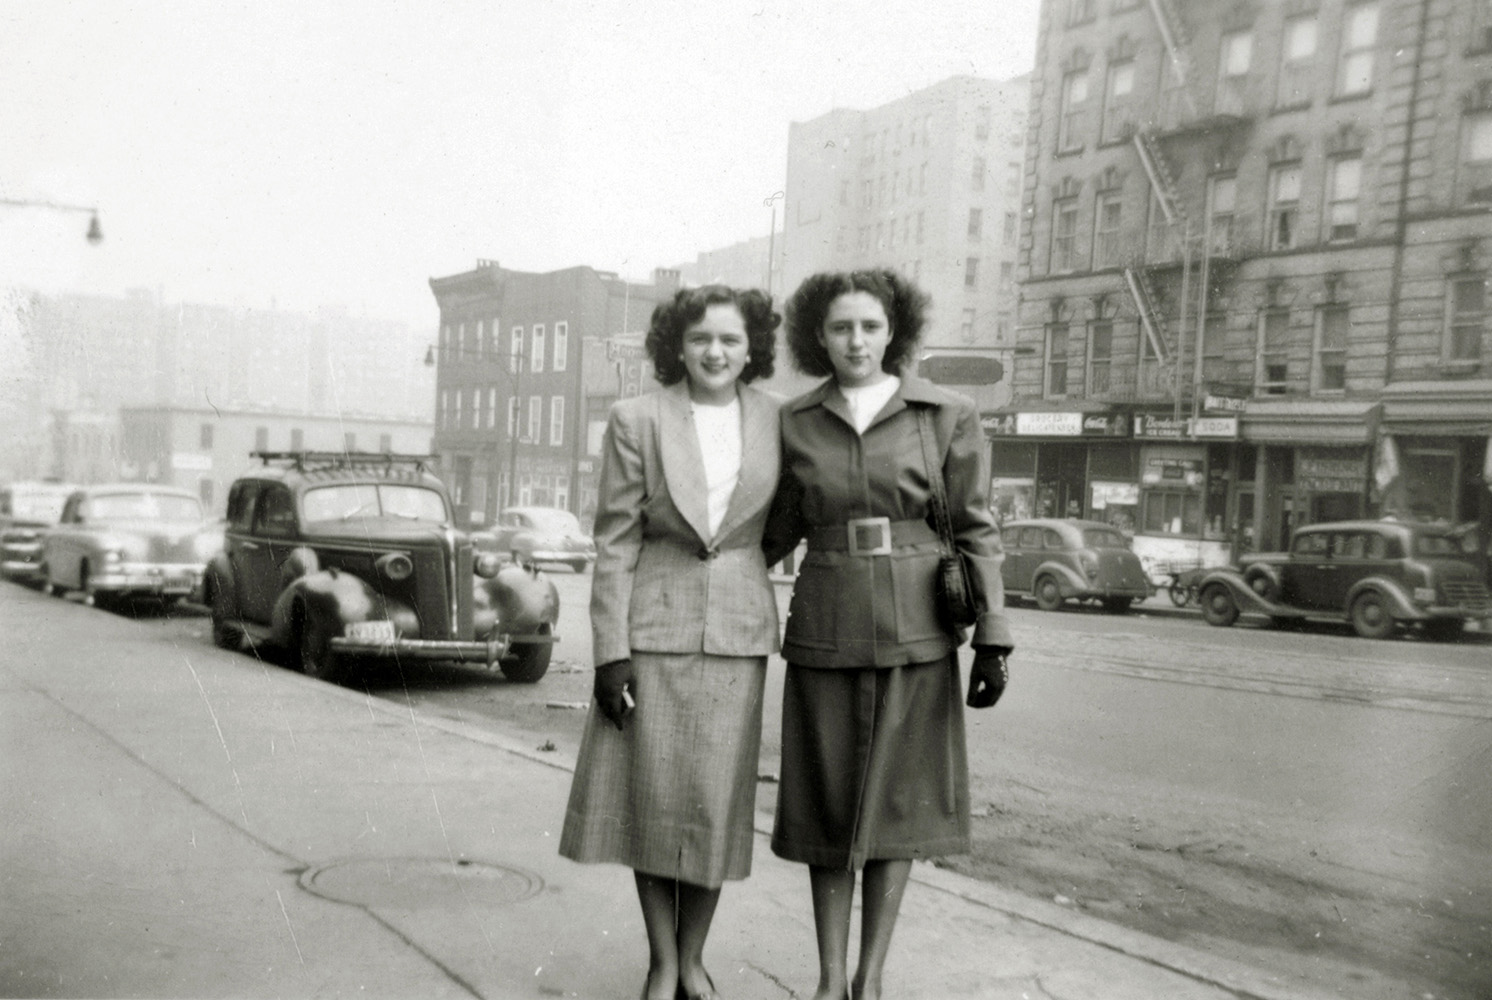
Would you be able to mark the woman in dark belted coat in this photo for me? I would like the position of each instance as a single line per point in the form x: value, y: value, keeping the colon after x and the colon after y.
x: 874, y: 766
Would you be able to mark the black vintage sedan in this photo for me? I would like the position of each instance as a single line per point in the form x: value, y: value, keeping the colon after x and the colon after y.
x: 1378, y: 575
x: 1056, y: 560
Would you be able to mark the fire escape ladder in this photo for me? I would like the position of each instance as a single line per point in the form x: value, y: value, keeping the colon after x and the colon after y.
x: 1138, y: 282
x: 1162, y: 181
x: 1174, y: 35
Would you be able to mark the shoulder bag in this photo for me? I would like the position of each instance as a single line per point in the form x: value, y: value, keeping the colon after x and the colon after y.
x: 954, y: 595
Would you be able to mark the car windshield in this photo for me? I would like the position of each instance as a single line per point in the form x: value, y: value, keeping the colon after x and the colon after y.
x: 1436, y: 545
x: 338, y: 503
x: 555, y: 522
x: 1099, y: 538
x: 143, y: 507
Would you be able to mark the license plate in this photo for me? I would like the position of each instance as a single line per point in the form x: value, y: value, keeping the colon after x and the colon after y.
x: 381, y: 631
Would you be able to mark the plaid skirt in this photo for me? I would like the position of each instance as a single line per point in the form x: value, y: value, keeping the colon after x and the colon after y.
x: 674, y: 793
x: 874, y: 765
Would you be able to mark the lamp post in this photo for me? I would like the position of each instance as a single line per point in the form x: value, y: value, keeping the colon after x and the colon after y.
x: 95, y: 233
x: 771, y: 202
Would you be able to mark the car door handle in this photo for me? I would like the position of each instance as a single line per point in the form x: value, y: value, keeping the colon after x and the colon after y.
x: 248, y: 547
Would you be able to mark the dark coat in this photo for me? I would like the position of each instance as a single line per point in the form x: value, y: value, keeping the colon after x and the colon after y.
x: 859, y: 611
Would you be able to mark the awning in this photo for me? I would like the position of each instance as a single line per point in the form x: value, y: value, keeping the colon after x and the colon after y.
x: 1458, y: 408
x: 1308, y: 421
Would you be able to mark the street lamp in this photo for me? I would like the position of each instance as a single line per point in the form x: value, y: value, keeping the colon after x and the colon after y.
x: 771, y: 202
x: 95, y: 233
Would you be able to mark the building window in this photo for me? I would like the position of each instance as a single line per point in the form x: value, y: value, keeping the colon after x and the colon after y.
x: 261, y: 439
x: 297, y: 439
x: 1056, y: 359
x: 492, y: 408
x: 445, y: 341
x: 1355, y: 63
x: 1118, y: 115
x: 1074, y: 104
x: 966, y: 326
x: 535, y: 419
x: 1284, y: 205
x: 476, y: 409
x: 976, y: 223
x: 481, y: 344
x: 919, y: 227
x: 1334, y: 327
x: 536, y: 354
x: 461, y: 342
x: 513, y: 410
x: 844, y: 192
x: 204, y: 437
x: 494, y: 338
x: 1106, y: 223
x: 981, y: 123
x: 1234, y: 59
x: 1477, y: 156
x: 515, y: 350
x: 1467, y: 315
x: 349, y: 442
x: 922, y: 179
x: 1008, y: 233
x: 443, y: 412
x: 556, y: 420
x: 1344, y: 184
x: 561, y: 346
x: 1065, y: 235
x: 976, y: 177
x: 971, y: 272
x: 1297, y: 57
x: 386, y: 443
x: 1100, y: 355
x: 1007, y: 274
x: 1222, y: 200
x: 1171, y: 512
x: 1274, y: 351
x: 867, y: 194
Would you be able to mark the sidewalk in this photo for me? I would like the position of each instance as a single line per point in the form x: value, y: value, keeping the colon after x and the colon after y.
x: 174, y: 825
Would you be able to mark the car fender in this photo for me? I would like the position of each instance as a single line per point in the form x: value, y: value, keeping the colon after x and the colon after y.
x: 301, y: 561
x: 1067, y: 578
x: 1399, y: 602
x: 519, y: 599
x: 218, y: 578
x: 336, y: 598
x: 1243, y: 595
x: 1269, y: 572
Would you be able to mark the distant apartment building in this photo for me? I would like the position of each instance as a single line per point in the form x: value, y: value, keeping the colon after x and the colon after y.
x: 928, y: 184
x: 747, y: 264
x: 86, y: 356
x: 1254, y: 269
x: 527, y: 366
x: 204, y: 449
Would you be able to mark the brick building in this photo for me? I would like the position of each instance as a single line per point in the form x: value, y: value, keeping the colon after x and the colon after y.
x: 527, y: 367
x: 1255, y: 257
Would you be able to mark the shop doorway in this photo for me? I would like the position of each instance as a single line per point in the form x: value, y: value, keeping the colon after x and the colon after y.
x: 1335, y: 507
x: 1061, y: 477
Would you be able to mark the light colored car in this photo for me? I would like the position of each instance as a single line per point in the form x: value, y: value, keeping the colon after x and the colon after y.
x: 127, y: 540
x: 27, y: 511
x: 1056, y: 560
x: 540, y: 535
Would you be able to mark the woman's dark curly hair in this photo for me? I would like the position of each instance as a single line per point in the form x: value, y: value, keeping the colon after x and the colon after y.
x: 906, y: 312
x: 665, y: 341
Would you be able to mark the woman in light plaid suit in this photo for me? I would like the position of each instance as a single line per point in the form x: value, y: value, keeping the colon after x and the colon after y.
x: 683, y: 618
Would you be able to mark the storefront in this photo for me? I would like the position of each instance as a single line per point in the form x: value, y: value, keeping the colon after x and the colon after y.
x: 1187, y: 500
x: 1071, y: 463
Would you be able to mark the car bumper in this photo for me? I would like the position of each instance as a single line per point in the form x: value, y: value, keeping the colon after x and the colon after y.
x: 560, y: 555
x: 20, y: 568
x: 1134, y: 593
x: 488, y: 652
x: 163, y: 579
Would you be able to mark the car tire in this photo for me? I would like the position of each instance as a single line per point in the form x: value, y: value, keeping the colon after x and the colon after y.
x: 1443, y: 629
x: 1371, y: 617
x: 527, y: 662
x: 225, y: 634
x: 47, y: 584
x: 1117, y: 605
x: 1180, y: 596
x: 1048, y: 593
x: 313, y: 647
x: 1218, y: 606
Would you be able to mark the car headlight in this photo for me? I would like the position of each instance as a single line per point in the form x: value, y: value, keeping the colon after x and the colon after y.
x: 487, y: 565
x: 395, y: 566
x: 112, y: 556
x: 1424, y: 595
x: 207, y: 546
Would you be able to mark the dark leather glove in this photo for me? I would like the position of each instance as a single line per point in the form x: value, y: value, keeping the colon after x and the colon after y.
x: 610, y: 690
x: 988, y: 676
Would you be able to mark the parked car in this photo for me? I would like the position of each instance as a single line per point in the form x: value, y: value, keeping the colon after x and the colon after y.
x: 27, y: 510
x: 540, y: 535
x: 126, y: 540
x: 1056, y: 560
x: 1378, y: 575
x: 338, y: 557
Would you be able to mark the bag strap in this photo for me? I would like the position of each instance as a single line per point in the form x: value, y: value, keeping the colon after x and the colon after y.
x: 938, y: 498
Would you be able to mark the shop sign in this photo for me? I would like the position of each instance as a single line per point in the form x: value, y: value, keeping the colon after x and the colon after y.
x: 1115, y: 495
x: 625, y: 350
x: 1215, y: 427
x: 1045, y: 424
x: 1164, y: 428
x: 1172, y: 471
x: 1331, y: 475
x: 1222, y: 404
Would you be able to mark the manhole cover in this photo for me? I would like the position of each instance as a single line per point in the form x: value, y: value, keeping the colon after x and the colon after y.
x: 409, y: 883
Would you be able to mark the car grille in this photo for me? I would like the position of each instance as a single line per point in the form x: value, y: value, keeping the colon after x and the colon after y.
x: 1468, y: 594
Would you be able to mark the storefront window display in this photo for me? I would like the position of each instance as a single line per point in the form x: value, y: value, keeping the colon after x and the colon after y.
x: 1116, y: 503
x: 1171, y: 493
x: 1013, y: 482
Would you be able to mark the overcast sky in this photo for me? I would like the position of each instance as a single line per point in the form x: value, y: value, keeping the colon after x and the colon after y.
x: 342, y: 153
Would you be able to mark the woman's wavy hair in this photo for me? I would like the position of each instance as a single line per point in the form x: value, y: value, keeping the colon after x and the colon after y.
x: 905, y: 305
x: 665, y: 340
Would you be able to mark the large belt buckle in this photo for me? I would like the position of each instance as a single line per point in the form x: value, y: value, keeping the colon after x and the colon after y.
x: 869, y: 536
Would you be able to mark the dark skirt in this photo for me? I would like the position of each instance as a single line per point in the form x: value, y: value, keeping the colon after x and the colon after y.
x: 674, y: 793
x: 874, y: 765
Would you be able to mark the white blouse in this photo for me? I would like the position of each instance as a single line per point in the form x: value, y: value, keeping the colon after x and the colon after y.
x: 868, y: 400
x: 719, y: 431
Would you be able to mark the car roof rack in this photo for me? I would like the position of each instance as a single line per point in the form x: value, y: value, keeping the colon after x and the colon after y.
x: 314, y: 461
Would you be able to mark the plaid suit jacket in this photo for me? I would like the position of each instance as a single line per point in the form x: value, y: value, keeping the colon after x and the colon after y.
x: 662, y: 583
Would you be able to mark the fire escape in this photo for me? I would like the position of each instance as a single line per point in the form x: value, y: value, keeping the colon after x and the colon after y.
x: 1171, y: 365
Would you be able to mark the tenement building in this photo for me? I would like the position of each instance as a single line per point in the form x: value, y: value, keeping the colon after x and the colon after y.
x: 928, y: 184
x: 1254, y: 270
